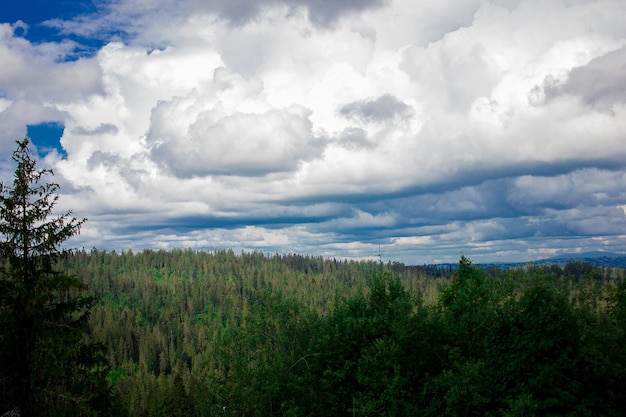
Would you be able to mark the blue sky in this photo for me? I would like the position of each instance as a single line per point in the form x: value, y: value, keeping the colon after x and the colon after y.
x: 39, y: 16
x: 496, y: 129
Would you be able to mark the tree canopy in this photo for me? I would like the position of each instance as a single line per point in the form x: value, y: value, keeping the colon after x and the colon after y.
x: 47, y: 368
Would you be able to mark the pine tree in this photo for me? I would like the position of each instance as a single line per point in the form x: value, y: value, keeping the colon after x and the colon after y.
x: 47, y: 366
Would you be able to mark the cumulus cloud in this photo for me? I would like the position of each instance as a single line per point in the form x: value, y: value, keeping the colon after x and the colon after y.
x: 241, y: 11
x: 237, y: 144
x: 101, y: 129
x: 495, y: 128
x: 602, y: 82
x: 598, y: 84
x: 383, y: 109
x: 320, y: 12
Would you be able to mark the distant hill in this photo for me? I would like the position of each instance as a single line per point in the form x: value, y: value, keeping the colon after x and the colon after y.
x: 597, y: 258
x: 587, y: 255
x: 606, y: 259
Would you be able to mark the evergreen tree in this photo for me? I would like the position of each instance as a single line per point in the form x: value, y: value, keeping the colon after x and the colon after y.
x: 47, y: 367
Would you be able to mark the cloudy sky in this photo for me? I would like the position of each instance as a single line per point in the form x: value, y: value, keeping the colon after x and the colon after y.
x: 496, y: 129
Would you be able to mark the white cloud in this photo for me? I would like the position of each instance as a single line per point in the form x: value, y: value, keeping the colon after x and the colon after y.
x: 236, y: 144
x: 427, y: 125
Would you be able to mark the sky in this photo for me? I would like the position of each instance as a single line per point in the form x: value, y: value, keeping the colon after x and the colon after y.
x: 421, y: 130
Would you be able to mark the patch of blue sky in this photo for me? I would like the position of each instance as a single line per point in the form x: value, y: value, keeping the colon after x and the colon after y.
x: 37, y: 15
x: 47, y: 137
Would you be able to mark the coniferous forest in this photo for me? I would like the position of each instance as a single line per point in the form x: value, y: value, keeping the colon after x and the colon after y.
x: 195, y: 333
x: 244, y: 334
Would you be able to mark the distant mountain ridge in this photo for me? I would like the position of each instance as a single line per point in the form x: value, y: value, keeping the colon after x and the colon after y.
x: 596, y: 258
x: 587, y: 255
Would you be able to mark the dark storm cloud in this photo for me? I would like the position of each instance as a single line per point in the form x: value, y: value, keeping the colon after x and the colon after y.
x: 267, y: 220
x: 577, y: 203
x: 384, y: 108
x: 466, y: 179
x: 401, y: 216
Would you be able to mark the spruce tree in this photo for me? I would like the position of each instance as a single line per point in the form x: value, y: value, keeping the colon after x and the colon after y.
x: 47, y: 366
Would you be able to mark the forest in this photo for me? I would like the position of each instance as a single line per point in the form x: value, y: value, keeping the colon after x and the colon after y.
x: 216, y: 333
x: 194, y: 333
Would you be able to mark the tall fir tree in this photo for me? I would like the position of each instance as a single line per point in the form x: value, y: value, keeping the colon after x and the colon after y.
x: 48, y: 368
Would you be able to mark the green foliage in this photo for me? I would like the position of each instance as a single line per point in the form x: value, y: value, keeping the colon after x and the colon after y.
x: 219, y: 333
x: 540, y: 346
x: 362, y: 363
x: 459, y: 390
x: 47, y: 368
x: 580, y: 270
x: 466, y: 306
x: 534, y: 352
x: 256, y: 366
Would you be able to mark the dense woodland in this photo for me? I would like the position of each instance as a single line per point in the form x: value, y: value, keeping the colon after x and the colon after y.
x: 247, y: 334
x: 193, y: 333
